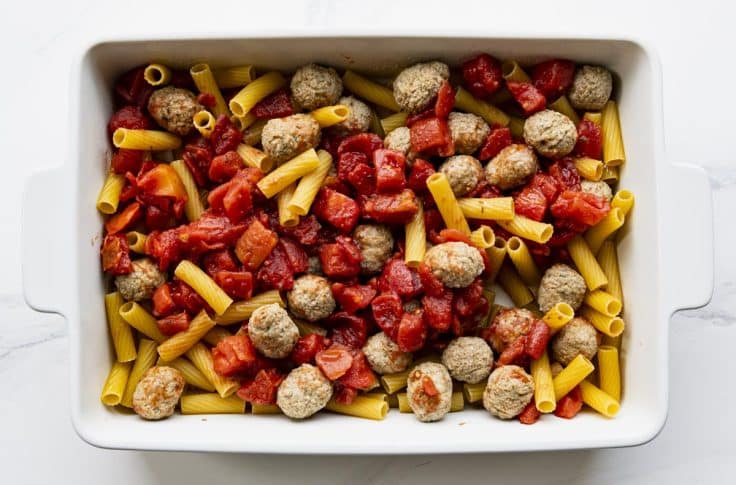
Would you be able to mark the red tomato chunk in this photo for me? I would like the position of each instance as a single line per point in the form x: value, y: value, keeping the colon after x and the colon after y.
x: 482, y: 75
x: 530, y: 414
x: 537, y: 339
x: 531, y: 203
x: 173, y: 324
x: 276, y: 105
x: 590, y: 140
x: 570, y: 404
x: 254, y: 246
x: 553, y: 77
x: 127, y: 161
x: 307, y: 348
x: 400, y: 279
x: 262, y: 390
x: 420, y: 172
x: 125, y: 219
x: 225, y: 166
x: 396, y: 208
x: 387, y: 311
x: 431, y: 135
x: 233, y: 355
x: 528, y: 97
x: 350, y: 331
x: 412, y: 332
x: 130, y: 117
x: 276, y: 272
x: 360, y: 375
x: 221, y: 260
x: 389, y: 170
x: 365, y: 143
x: 116, y: 255
x: 445, y: 100
x: 334, y: 362
x: 225, y: 136
x: 580, y: 208
x: 497, y: 140
x: 237, y: 284
x: 353, y: 297
x: 336, y: 209
x: 340, y: 259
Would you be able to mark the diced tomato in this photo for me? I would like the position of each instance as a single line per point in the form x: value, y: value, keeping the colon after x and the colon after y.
x: 420, y: 172
x: 546, y: 184
x: 221, y: 260
x: 163, y: 303
x: 262, y: 390
x: 207, y: 100
x: 482, y: 75
x: 497, y: 140
x: 469, y: 301
x: 428, y: 386
x: 389, y: 165
x: 430, y: 283
x: 363, y: 178
x: 198, y: 157
x: 330, y: 141
x: 428, y: 112
x: 185, y: 297
x: 430, y: 134
x: 530, y: 414
x: 337, y: 209
x: 438, y: 310
x: 451, y: 235
x: 581, y: 208
x: 352, y: 298
x: 237, y: 284
x: 298, y: 259
x: 132, y: 88
x: 130, y: 117
x: 233, y: 355
x: 306, y: 232
x: 276, y: 105
x: 365, y: 143
x: 276, y: 272
x: 412, y: 332
x: 445, y: 100
x: 116, y: 255
x: 553, y: 77
x: 254, y: 246
x: 124, y: 219
x: 528, y: 97
x: 359, y: 376
x: 590, y: 140
x: 173, y: 324
x: 344, y: 394
x: 334, y: 362
x: 307, y: 348
x: 126, y: 160
x: 537, y: 339
x: 225, y: 166
x: 348, y: 330
x: 157, y: 219
x: 513, y: 353
x: 565, y: 174
x: 531, y: 203
x: 165, y: 247
x: 162, y: 181
x: 387, y: 311
x: 340, y: 259
x: 348, y: 161
x: 396, y: 208
x: 401, y: 279
x: 570, y: 404
x: 225, y: 136
x: 238, y: 200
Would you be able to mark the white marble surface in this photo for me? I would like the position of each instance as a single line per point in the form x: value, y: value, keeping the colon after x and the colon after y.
x: 37, y: 443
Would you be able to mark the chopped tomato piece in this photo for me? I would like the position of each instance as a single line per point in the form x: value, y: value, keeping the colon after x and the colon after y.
x: 262, y: 390
x: 513, y: 353
x: 389, y: 170
x: 130, y: 117
x: 445, y: 100
x: 220, y: 260
x: 528, y: 97
x: 185, y: 297
x: 344, y: 394
x: 276, y: 105
x: 565, y: 173
x: 306, y: 232
x: 207, y: 100
x: 449, y: 235
x: 363, y: 178
x: 162, y: 181
x: 570, y: 404
x: 163, y: 302
x: 124, y: 219
x: 340, y: 259
x: 387, y: 311
x: 116, y: 255
x: 126, y: 160
x: 530, y: 414
x: 254, y: 246
x: 553, y: 77
x: 276, y: 271
x: 360, y: 375
x: 365, y: 143
x: 430, y: 283
x: 430, y: 134
x: 198, y: 156
x: 497, y: 140
x: 469, y: 301
x: 420, y: 172
x: 482, y: 75
x: 352, y: 298
x: 348, y: 330
x: 132, y: 88
x: 336, y: 209
x: 297, y: 257
x: 307, y: 348
x: 396, y: 208
x: 237, y: 284
x: 334, y: 362
x: 590, y: 140
x: 348, y: 161
x: 225, y: 166
x: 546, y: 184
x: 225, y: 136
x: 173, y: 324
x: 537, y: 339
x: 400, y: 279
x: 580, y: 208
x: 531, y: 203
x: 412, y: 332
x: 233, y: 355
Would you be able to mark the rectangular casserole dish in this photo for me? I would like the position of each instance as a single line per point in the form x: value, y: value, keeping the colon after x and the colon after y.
x: 662, y: 271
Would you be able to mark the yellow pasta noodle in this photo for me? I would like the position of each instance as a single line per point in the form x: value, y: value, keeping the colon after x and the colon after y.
x: 120, y: 331
x: 608, y: 261
x: 206, y: 84
x: 265, y: 409
x: 593, y: 116
x: 243, y: 123
x: 361, y: 407
x: 415, y: 244
x: 514, y: 286
x: 623, y: 200
x: 458, y: 402
x: 253, y: 131
x: 216, y: 334
x: 613, y: 143
x: 599, y: 400
x: 310, y: 184
x: 307, y: 328
x: 253, y: 157
x: 287, y: 217
x: 589, y: 168
x: 375, y: 124
x: 178, y: 344
x: 601, y: 231
x: 483, y: 237
x: 558, y: 316
x: 611, y: 326
x: 114, y: 388
x: 544, y: 391
x: 516, y: 127
x: 255, y: 91
x: 512, y: 71
x: 466, y: 102
x: 563, y: 106
x: 523, y: 262
x: 609, y: 371
x: 586, y: 263
x: 370, y: 91
x: 205, y: 286
x: 603, y: 302
x: 394, y: 382
x: 211, y: 404
x: 474, y: 392
x: 145, y: 360
x: 136, y: 241
x: 241, y: 310
x: 572, y: 375
x: 109, y: 198
x: 193, y: 208
x: 439, y: 187
x: 138, y: 318
x: 331, y: 115
x: 192, y: 375
x: 495, y: 209
x: 204, y: 122
x: 376, y: 395
x: 157, y: 75
x: 152, y: 140
x: 526, y: 228
x: 288, y: 173
x: 396, y: 120
x: 610, y: 174
x: 403, y: 403
x: 202, y: 359
x: 234, y: 77
x: 496, y: 255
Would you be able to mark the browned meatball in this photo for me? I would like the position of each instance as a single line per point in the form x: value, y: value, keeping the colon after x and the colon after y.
x: 314, y: 86
x: 311, y: 298
x: 400, y: 140
x: 469, y: 359
x: 376, y: 246
x: 463, y: 172
x: 591, y: 88
x: 417, y: 85
x: 429, y: 407
x: 285, y: 138
x: 600, y: 188
x: 141, y: 282
x: 510, y: 388
x: 552, y: 134
x: 304, y: 392
x: 272, y: 331
x: 561, y: 284
x: 158, y: 392
x: 468, y: 131
x: 454, y: 263
x: 508, y: 325
x: 512, y: 167
x: 579, y: 336
x: 173, y: 109
x: 359, y: 119
x: 384, y: 355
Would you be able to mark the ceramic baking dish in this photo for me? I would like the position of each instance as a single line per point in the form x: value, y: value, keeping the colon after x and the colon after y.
x: 662, y: 270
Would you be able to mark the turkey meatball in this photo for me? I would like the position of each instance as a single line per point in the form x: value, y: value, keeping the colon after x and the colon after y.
x: 157, y: 393
x: 552, y: 134
x: 384, y: 356
x: 314, y: 86
x: 376, y: 246
x: 512, y: 167
x: 400, y: 140
x: 285, y: 138
x: 429, y: 391
x: 272, y: 331
x: 591, y: 88
x: 417, y: 85
x: 463, y: 172
x: 600, y: 188
x: 468, y: 131
x: 303, y: 392
x: 140, y: 283
x: 508, y: 325
x: 508, y: 392
x: 456, y: 264
x: 579, y: 336
x: 311, y: 298
x: 561, y: 284
x: 359, y: 119
x: 173, y: 109
x: 468, y: 359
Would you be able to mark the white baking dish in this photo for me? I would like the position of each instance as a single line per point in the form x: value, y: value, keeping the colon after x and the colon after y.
x: 662, y: 269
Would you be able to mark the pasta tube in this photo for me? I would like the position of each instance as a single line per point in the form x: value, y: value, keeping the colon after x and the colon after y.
x: 369, y: 90
x: 361, y: 407
x: 145, y: 360
x: 613, y: 143
x: 265, y: 409
x: 609, y: 371
x: 483, y: 237
x: 307, y: 328
x: 211, y: 404
x: 205, y: 286
x: 391, y: 122
x: 623, y: 200
x: 526, y: 228
x: 206, y: 84
x: 599, y: 400
x: 496, y: 209
x: 589, y: 168
x: 112, y: 391
x: 109, y: 198
x: 234, y: 77
x: 512, y: 71
x: 586, y: 264
x: 558, y: 316
x: 466, y: 102
x: 601, y: 231
x: 136, y: 241
x: 394, y: 382
x: 138, y: 318
x: 544, y: 392
x: 496, y: 254
x: 152, y: 140
x: 610, y: 174
x: 216, y: 334
x: 593, y: 117
x: 572, y: 375
x: 193, y: 207
x: 192, y: 375
x: 474, y: 392
x: 611, y: 326
x: 415, y: 238
x: 330, y: 115
x: 563, y: 106
x: 120, y: 331
x: 258, y: 89
x: 204, y: 122
x: 253, y: 157
x: 513, y: 285
x: 516, y: 126
x: 157, y: 75
x: 608, y: 261
x: 603, y: 302
x: 522, y: 260
x: 439, y: 187
x: 242, y: 123
x: 310, y: 184
x: 202, y: 359
x: 181, y: 342
x: 242, y: 310
x: 287, y: 217
x: 288, y: 173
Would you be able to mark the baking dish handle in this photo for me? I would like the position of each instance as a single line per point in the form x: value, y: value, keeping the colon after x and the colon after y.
x: 42, y: 233
x: 688, y: 209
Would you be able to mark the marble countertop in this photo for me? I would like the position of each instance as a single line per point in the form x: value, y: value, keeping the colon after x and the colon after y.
x: 37, y: 442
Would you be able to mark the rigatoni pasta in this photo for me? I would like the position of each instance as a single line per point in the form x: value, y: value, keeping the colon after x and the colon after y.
x: 205, y: 81
x: 255, y: 91
x: 205, y: 286
x: 496, y: 209
x: 145, y: 140
x: 211, y: 404
x: 415, y: 238
x: 309, y: 185
x: 183, y: 341
x: 288, y: 173
x: 120, y: 331
x: 369, y: 90
x: 117, y: 379
x: 145, y: 360
x: 447, y: 204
